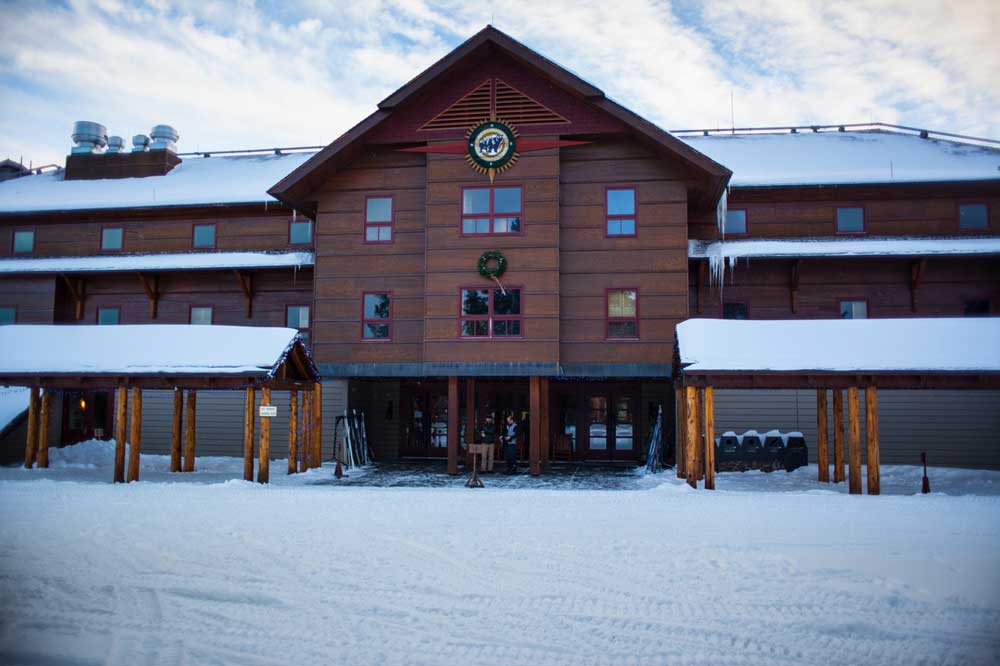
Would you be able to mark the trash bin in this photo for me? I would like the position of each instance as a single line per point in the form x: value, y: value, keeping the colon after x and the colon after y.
x: 772, y: 456
x: 727, y: 453
x: 751, y: 448
x: 796, y: 452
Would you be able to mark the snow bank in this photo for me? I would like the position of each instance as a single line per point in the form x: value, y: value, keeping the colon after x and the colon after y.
x: 865, y: 345
x: 158, y: 262
x: 13, y: 401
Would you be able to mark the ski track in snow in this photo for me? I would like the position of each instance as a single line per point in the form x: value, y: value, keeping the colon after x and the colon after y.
x: 225, y: 573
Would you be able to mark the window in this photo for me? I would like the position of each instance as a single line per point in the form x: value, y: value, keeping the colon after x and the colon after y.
x: 24, y: 241
x: 736, y: 222
x: 203, y: 235
x: 107, y: 316
x: 379, y: 219
x: 376, y: 319
x: 735, y: 310
x: 491, y: 210
x: 973, y: 216
x: 623, y: 313
x: 854, y: 309
x: 976, y: 308
x: 111, y: 238
x: 620, y: 209
x: 491, y: 313
x: 201, y: 315
x: 300, y: 232
x: 8, y: 315
x: 297, y: 316
x: 850, y: 220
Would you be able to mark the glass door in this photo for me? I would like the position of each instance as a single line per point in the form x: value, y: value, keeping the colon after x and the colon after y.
x: 609, y: 426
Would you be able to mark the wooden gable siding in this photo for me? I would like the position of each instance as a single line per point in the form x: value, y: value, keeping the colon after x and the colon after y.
x: 32, y: 296
x: 346, y: 266
x: 655, y: 261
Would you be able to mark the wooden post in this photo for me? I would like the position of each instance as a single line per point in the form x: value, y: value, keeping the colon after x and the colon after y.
x: 470, y: 421
x: 535, y: 418
x: 121, y: 404
x: 293, y: 431
x: 545, y: 425
x: 43, y: 430
x: 31, y: 443
x: 691, y: 436
x: 135, y: 435
x: 822, y: 454
x: 871, y: 440
x: 680, y: 446
x: 317, y: 425
x: 176, y: 431
x: 453, y: 424
x: 264, y: 464
x: 709, y: 438
x: 249, y: 404
x: 853, y: 442
x: 305, y: 454
x: 190, y: 430
x: 699, y: 459
x: 838, y: 436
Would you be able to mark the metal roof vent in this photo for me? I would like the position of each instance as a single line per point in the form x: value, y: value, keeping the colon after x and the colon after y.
x: 164, y: 138
x: 140, y: 143
x: 116, y: 144
x: 89, y: 137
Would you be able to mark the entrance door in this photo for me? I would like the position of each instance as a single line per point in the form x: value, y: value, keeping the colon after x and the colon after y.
x: 86, y: 415
x: 425, y: 421
x: 609, y: 424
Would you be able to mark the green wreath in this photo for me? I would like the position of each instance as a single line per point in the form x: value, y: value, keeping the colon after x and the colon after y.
x: 484, y: 264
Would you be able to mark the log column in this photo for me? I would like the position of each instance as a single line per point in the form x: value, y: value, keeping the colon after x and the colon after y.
x: 691, y: 436
x: 190, y: 429
x: 31, y: 443
x: 546, y: 424
x: 249, y: 403
x: 43, y: 429
x: 853, y: 442
x: 871, y: 440
x: 470, y: 420
x: 535, y: 417
x: 709, y: 438
x: 176, y: 431
x: 293, y: 431
x: 453, y: 424
x: 135, y: 435
x: 822, y: 454
x: 698, y: 450
x: 317, y: 425
x: 121, y: 404
x: 264, y: 464
x: 838, y: 436
x: 680, y: 446
x: 305, y: 455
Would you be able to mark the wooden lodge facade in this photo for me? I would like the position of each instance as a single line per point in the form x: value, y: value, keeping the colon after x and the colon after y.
x: 383, y: 247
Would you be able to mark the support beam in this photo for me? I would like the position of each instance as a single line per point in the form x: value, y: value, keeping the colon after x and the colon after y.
x: 535, y: 424
x: 871, y: 440
x: 43, y: 429
x: 78, y: 291
x: 31, y: 443
x: 709, y: 419
x: 917, y: 269
x: 453, y: 425
x: 305, y: 455
x: 264, y: 464
x: 245, y: 281
x: 317, y: 425
x: 822, y: 453
x: 691, y: 437
x: 838, y: 436
x: 121, y: 405
x: 545, y: 425
x: 135, y: 434
x: 177, y: 431
x: 190, y: 430
x: 151, y: 285
x: 699, y: 449
x: 470, y: 420
x: 249, y: 406
x: 853, y: 441
x: 680, y: 446
x: 293, y: 431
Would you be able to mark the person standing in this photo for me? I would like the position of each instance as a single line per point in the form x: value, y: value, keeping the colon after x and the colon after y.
x: 510, y: 444
x: 488, y: 437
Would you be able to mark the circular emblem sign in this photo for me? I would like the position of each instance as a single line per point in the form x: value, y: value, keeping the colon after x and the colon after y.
x: 491, y: 145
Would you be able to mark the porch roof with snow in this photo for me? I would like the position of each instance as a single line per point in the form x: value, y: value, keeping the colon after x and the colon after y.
x: 820, y: 353
x: 170, y: 261
x: 842, y: 247
x: 154, y: 356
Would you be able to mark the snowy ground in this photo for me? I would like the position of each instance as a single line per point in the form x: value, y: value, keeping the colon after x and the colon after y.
x: 770, y: 569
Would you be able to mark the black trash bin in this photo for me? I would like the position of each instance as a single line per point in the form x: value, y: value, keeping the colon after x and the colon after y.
x: 796, y: 453
x: 751, y: 449
x: 773, y: 455
x: 727, y: 453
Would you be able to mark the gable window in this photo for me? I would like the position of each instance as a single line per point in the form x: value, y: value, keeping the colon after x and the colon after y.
x: 622, y: 314
x: 376, y: 319
x: 203, y: 235
x: 106, y: 316
x: 735, y: 310
x: 736, y: 222
x: 850, y: 220
x: 620, y: 208
x: 297, y: 316
x: 976, y: 308
x: 491, y: 313
x: 24, y: 241
x: 379, y: 213
x: 491, y: 210
x: 300, y: 232
x: 973, y: 217
x: 8, y: 315
x: 854, y: 309
x: 112, y: 239
x: 201, y: 315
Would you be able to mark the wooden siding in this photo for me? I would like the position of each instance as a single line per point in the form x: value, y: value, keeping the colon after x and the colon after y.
x: 33, y: 297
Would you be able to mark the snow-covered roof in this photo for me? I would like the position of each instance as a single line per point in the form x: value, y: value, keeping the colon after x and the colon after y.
x: 842, y: 158
x: 842, y: 247
x: 158, y: 262
x: 841, y: 345
x: 144, y: 349
x: 227, y: 179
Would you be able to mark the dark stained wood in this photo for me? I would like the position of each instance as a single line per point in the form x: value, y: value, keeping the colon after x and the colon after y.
x: 838, y: 436
x: 305, y: 457
x: 680, y: 448
x: 470, y: 419
x: 264, y: 460
x: 535, y: 423
x: 31, y: 444
x: 249, y: 407
x: 317, y: 425
x: 151, y: 285
x: 190, y: 430
x: 293, y: 431
x: 135, y: 435
x: 545, y: 427
x: 853, y: 442
x: 121, y: 407
x: 43, y: 429
x: 177, y: 431
x: 453, y: 425
x: 871, y: 440
x: 822, y: 455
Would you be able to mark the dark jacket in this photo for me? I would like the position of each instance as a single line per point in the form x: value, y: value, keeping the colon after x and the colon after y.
x: 489, y: 433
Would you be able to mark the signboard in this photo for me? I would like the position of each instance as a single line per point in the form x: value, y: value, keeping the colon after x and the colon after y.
x: 267, y: 411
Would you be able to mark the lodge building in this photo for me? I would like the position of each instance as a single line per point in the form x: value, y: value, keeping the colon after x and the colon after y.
x: 384, y: 248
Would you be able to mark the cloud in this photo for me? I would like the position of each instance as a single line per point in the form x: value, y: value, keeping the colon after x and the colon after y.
x: 245, y: 74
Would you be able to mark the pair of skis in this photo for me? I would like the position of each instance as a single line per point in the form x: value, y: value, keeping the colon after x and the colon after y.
x: 355, y: 449
x: 655, y: 456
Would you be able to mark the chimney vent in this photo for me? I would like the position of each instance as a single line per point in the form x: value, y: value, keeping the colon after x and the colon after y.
x: 116, y: 144
x: 140, y: 143
x: 89, y: 137
x: 164, y: 138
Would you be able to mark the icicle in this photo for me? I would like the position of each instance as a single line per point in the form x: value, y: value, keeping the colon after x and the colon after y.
x: 720, y: 212
x: 295, y: 215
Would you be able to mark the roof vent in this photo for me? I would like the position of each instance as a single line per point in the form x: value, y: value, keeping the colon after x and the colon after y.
x: 164, y: 138
x: 89, y: 137
x: 116, y: 144
x: 140, y: 143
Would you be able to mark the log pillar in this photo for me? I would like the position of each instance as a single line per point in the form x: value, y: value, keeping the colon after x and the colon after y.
x: 535, y: 424
x: 317, y: 425
x: 43, y: 429
x: 305, y: 453
x: 190, y: 430
x: 838, y: 436
x: 453, y: 425
x: 176, y: 431
x: 546, y: 424
x: 853, y: 442
x: 31, y: 443
x: 135, y: 434
x: 822, y: 454
x: 249, y: 403
x: 698, y: 450
x: 691, y: 436
x: 121, y: 405
x: 470, y: 421
x: 293, y: 431
x: 871, y: 440
x: 709, y: 438
x: 680, y: 446
x: 264, y: 464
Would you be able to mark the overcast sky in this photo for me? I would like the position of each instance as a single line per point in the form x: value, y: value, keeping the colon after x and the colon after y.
x: 300, y: 72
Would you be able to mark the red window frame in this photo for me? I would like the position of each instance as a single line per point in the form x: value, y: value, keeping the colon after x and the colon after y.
x: 97, y: 313
x: 215, y: 236
x: 211, y: 313
x: 378, y: 322
x: 854, y: 299
x: 746, y: 223
x: 489, y: 317
x: 108, y: 228
x: 958, y: 217
x: 34, y: 240
x: 391, y: 224
x: 864, y: 220
x: 634, y: 216
x: 608, y: 319
x: 312, y: 230
x: 491, y: 215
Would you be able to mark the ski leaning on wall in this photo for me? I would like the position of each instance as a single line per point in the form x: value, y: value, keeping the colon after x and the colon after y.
x: 353, y: 450
x: 654, y: 459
